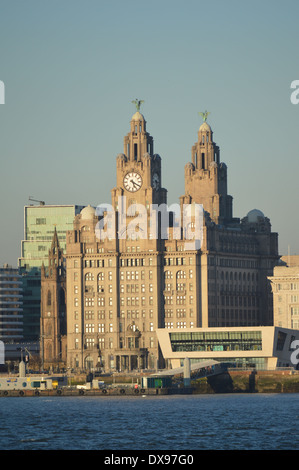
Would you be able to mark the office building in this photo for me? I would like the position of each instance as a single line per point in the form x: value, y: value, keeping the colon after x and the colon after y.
x: 40, y: 221
x: 285, y: 288
x: 126, y: 279
x: 11, y: 305
x: 261, y: 348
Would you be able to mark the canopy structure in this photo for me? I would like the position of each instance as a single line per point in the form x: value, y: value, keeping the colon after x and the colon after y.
x: 193, y: 367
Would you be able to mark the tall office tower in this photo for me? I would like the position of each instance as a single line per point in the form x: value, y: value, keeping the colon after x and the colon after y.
x: 39, y: 224
x: 11, y: 305
x: 126, y: 279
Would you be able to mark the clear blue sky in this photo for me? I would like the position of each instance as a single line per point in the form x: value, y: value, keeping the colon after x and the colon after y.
x: 71, y: 69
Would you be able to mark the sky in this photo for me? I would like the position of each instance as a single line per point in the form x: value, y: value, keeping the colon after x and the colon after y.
x: 71, y: 69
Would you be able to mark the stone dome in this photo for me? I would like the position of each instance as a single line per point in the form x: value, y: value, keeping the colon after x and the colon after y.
x: 137, y: 117
x: 254, y: 215
x: 87, y: 213
x: 205, y: 127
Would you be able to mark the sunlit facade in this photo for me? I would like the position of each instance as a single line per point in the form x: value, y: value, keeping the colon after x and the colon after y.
x: 264, y: 347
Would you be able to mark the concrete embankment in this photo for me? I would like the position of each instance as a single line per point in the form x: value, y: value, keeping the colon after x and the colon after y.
x: 76, y: 392
x: 233, y: 381
x: 250, y: 381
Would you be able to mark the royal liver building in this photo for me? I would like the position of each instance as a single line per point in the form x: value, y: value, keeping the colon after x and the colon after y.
x: 133, y: 267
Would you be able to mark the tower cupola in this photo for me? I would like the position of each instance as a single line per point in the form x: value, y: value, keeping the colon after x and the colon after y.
x: 138, y: 142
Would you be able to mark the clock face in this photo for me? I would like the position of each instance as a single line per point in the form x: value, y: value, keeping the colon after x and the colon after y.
x: 132, y: 182
x: 156, y: 181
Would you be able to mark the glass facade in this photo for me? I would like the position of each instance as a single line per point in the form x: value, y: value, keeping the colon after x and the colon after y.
x: 237, y: 362
x: 11, y: 305
x: 216, y: 341
x: 39, y: 225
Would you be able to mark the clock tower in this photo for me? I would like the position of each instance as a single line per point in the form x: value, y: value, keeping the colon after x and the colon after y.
x: 138, y: 186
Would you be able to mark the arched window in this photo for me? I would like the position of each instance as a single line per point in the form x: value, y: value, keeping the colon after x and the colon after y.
x: 181, y: 275
x: 101, y: 276
x: 168, y: 275
x: 89, y: 277
x: 88, y: 363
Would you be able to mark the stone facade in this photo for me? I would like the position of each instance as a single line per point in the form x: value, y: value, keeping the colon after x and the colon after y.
x: 53, y: 326
x: 285, y: 287
x: 122, y: 288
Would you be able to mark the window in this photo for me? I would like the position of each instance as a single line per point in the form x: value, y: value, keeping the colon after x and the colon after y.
x: 89, y: 342
x: 168, y: 275
x: 181, y: 275
x: 89, y: 315
x: 89, y: 301
x: 40, y: 221
x: 181, y: 286
x: 89, y: 277
x: 281, y: 337
x: 89, y: 328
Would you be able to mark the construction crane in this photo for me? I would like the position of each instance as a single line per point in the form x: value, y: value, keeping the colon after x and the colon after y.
x: 42, y: 203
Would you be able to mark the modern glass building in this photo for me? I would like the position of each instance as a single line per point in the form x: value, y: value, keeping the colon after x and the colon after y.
x: 11, y: 305
x: 39, y: 225
x: 264, y: 347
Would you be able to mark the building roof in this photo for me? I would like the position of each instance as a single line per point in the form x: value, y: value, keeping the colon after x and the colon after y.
x: 87, y: 213
x: 205, y: 127
x: 254, y: 215
x: 137, y: 117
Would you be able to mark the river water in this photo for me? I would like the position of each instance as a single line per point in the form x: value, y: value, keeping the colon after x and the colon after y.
x: 177, y: 423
